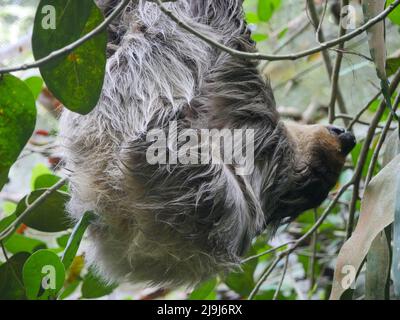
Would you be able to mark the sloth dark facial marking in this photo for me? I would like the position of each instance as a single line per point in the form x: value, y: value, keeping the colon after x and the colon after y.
x: 320, y: 152
x: 175, y: 224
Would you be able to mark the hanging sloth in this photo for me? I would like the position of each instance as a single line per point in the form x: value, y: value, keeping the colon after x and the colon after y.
x: 168, y: 212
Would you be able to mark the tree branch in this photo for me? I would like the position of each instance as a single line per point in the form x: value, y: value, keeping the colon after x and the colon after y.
x: 69, y: 48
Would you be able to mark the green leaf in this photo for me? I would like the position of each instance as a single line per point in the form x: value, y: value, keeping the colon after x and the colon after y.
x: 9, y: 207
x: 11, y: 284
x: 76, y: 238
x: 49, y: 216
x: 376, y: 35
x: 266, y: 9
x: 35, y: 84
x: 17, y: 121
x: 19, y: 243
x: 204, y: 290
x: 94, y: 287
x: 252, y: 17
x: 4, y: 223
x: 46, y: 181
x: 43, y: 275
x: 75, y: 79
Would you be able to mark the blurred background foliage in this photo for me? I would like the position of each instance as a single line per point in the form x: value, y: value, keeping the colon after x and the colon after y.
x: 302, y: 91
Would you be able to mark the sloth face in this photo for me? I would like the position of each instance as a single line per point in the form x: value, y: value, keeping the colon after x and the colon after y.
x: 320, y: 153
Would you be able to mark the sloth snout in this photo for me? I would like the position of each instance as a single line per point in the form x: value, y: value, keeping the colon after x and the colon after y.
x: 346, y: 138
x: 348, y: 142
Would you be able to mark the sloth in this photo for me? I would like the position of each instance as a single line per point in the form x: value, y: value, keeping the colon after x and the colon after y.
x: 172, y: 224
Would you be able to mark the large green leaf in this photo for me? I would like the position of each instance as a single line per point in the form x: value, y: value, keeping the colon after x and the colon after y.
x: 19, y: 243
x: 11, y: 285
x: 75, y: 79
x: 43, y: 275
x: 50, y: 215
x: 17, y: 121
x: 266, y: 9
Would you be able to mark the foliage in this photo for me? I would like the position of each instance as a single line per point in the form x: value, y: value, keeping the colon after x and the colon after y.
x: 44, y: 236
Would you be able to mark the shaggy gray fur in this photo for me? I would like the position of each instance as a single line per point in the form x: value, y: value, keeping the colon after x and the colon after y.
x: 178, y: 225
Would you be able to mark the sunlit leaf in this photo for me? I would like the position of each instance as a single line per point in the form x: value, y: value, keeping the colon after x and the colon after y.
x: 378, y: 269
x: 76, y: 238
x: 94, y: 287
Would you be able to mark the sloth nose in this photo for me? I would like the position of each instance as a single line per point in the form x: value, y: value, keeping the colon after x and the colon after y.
x: 346, y: 138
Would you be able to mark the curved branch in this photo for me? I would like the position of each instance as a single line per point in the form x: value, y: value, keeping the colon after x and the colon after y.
x: 71, y: 47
